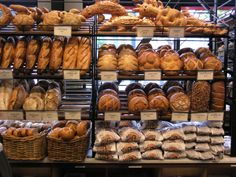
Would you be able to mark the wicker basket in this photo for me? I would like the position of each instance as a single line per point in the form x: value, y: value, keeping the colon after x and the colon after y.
x: 25, y: 148
x: 70, y: 151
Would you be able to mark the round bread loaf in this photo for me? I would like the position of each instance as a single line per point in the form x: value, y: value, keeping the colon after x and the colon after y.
x: 212, y: 63
x: 150, y: 86
x: 137, y: 104
x: 108, y: 91
x: 149, y: 60
x: 205, y: 55
x: 133, y: 86
x: 67, y: 134
x: 169, y: 84
x: 191, y: 65
x: 107, y: 62
x: 185, y: 50
x: 38, y: 91
x: 72, y: 124
x: 201, y: 50
x: 108, y: 85
x: 187, y: 55
x: 174, y: 89
x: 159, y: 103
x: 82, y: 128
x: 128, y: 64
x: 108, y: 103
x: 136, y: 93
x: 179, y: 102
x: 155, y: 92
x: 55, y: 133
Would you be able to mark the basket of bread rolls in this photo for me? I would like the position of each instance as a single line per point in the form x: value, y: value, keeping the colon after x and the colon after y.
x: 69, y: 141
x: 24, y: 143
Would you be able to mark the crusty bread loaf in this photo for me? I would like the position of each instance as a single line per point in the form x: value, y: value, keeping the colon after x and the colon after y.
x: 108, y: 102
x: 179, y: 102
x: 17, y: 98
x: 33, y: 103
x: 8, y: 52
x: 70, y: 54
x: 137, y: 104
x: 52, y: 99
x: 155, y: 92
x: 149, y: 60
x: 44, y: 54
x: 136, y: 93
x: 191, y: 65
x: 212, y: 63
x: 20, y: 53
x: 159, y: 103
x: 32, y: 53
x: 107, y: 62
x: 218, y: 96
x: 5, y: 94
x: 56, y: 53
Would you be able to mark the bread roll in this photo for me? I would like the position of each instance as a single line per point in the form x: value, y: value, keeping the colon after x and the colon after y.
x: 52, y: 99
x: 32, y: 53
x: 44, y: 54
x: 20, y: 53
x: 66, y: 134
x: 8, y: 52
x: 33, y: 103
x: 17, y: 98
x: 137, y: 104
x: 72, y: 124
x: 159, y: 103
x: 191, y: 65
x: 149, y: 60
x: 108, y: 103
x: 84, y: 55
x: 55, y: 133
x: 5, y: 94
x: 82, y: 128
x: 212, y: 63
x: 179, y: 102
x: 70, y: 54
x: 56, y: 54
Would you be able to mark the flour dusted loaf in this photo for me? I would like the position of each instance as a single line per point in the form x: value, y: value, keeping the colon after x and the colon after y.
x: 52, y: 99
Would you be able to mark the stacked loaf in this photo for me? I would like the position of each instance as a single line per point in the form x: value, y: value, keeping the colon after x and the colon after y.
x: 217, y: 96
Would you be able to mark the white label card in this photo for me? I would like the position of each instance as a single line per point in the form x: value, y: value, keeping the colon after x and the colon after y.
x: 34, y: 115
x: 73, y: 115
x: 138, y: 166
x: 205, y: 75
x: 199, y: 116
x: 6, y: 74
x: 112, y: 116
x: 216, y: 116
x: 50, y: 116
x: 71, y: 74
x: 152, y: 75
x: 11, y: 115
x: 179, y: 116
x: 176, y: 32
x: 108, y: 76
x: 62, y: 31
x: 145, y: 31
x: 148, y: 115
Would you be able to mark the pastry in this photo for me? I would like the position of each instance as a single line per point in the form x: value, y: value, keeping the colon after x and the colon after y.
x: 33, y: 103
x: 108, y: 85
x: 133, y: 86
x: 174, y: 89
x: 32, y: 53
x: 52, y: 99
x: 149, y: 60
x: 155, y: 92
x: 70, y: 54
x: 8, y: 52
x: 44, y: 54
x: 212, y: 63
x: 159, y: 103
x: 179, y: 102
x: 137, y: 104
x: 191, y: 65
x: 150, y: 86
x: 20, y: 53
x: 5, y: 94
x: 108, y: 103
x: 17, y: 98
x: 136, y: 93
x: 6, y: 16
x: 84, y: 55
x: 56, y: 54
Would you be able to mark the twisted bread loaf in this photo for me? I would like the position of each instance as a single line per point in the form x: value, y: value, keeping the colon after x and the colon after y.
x: 32, y: 53
x: 20, y: 53
x: 44, y: 54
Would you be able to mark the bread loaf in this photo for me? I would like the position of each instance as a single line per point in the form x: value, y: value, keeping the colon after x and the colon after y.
x: 17, y: 98
x: 136, y: 93
x: 107, y: 62
x: 2, y: 43
x: 33, y: 103
x: 108, y: 85
x: 218, y: 96
x: 8, y: 52
x: 191, y: 65
x: 127, y: 63
x: 108, y: 91
x: 38, y: 91
x: 20, y: 53
x: 172, y: 90
x: 108, y: 103
x: 137, y: 104
x: 44, y: 54
x: 5, y: 94
x: 70, y: 54
x: 212, y: 63
x: 159, y: 103
x: 150, y: 86
x: 179, y: 102
x: 133, y: 86
x: 149, y: 60
x: 155, y: 92
x: 32, y: 53
x: 52, y: 99
x: 56, y: 54
x: 84, y: 55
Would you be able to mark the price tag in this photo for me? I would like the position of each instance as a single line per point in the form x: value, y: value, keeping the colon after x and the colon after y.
x: 216, y: 116
x: 148, y: 115
x: 205, y: 75
x: 34, y: 115
x: 198, y: 116
x: 62, y: 31
x: 179, y: 116
x: 50, y: 116
x: 176, y: 32
x: 11, y: 115
x: 145, y: 31
x: 72, y: 74
x: 73, y: 115
x: 109, y: 76
x: 112, y: 116
x: 6, y: 74
x: 152, y: 75
x: 135, y: 166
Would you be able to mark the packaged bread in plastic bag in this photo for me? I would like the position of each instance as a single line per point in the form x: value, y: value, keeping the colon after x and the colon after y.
x: 130, y: 156
x: 190, y: 145
x: 203, y: 139
x: 190, y: 137
x: 216, y: 149
x: 106, y: 136
x: 217, y: 140
x: 202, y: 147
x: 215, y: 124
x: 149, y: 124
x: 217, y: 131
x: 107, y: 157
x: 189, y: 129
x: 203, y: 130
x: 150, y: 145
x: 128, y: 134
x: 155, y: 154
x: 207, y: 156
x: 123, y: 147
x: 174, y: 155
x: 152, y: 135
x: 105, y: 149
x: 173, y: 134
x: 173, y: 145
x: 192, y: 154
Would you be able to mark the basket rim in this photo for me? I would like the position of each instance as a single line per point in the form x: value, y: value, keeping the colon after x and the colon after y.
x: 27, y: 138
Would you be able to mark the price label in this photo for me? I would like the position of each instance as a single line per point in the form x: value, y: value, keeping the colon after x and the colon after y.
x: 6, y: 74
x: 135, y: 166
x: 34, y: 115
x: 199, y: 116
x: 11, y: 115
x: 112, y: 116
x: 50, y: 116
x: 145, y: 31
x: 109, y: 76
x: 179, y: 116
x: 205, y: 75
x: 72, y: 74
x: 62, y: 31
x: 216, y: 116
x: 73, y: 115
x: 152, y: 75
x: 148, y: 115
x: 176, y: 32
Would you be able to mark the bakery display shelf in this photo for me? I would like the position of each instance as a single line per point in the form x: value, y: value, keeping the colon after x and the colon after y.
x: 140, y: 75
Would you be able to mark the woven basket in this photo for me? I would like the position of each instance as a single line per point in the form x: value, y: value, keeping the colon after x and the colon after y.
x: 25, y: 148
x: 70, y: 151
